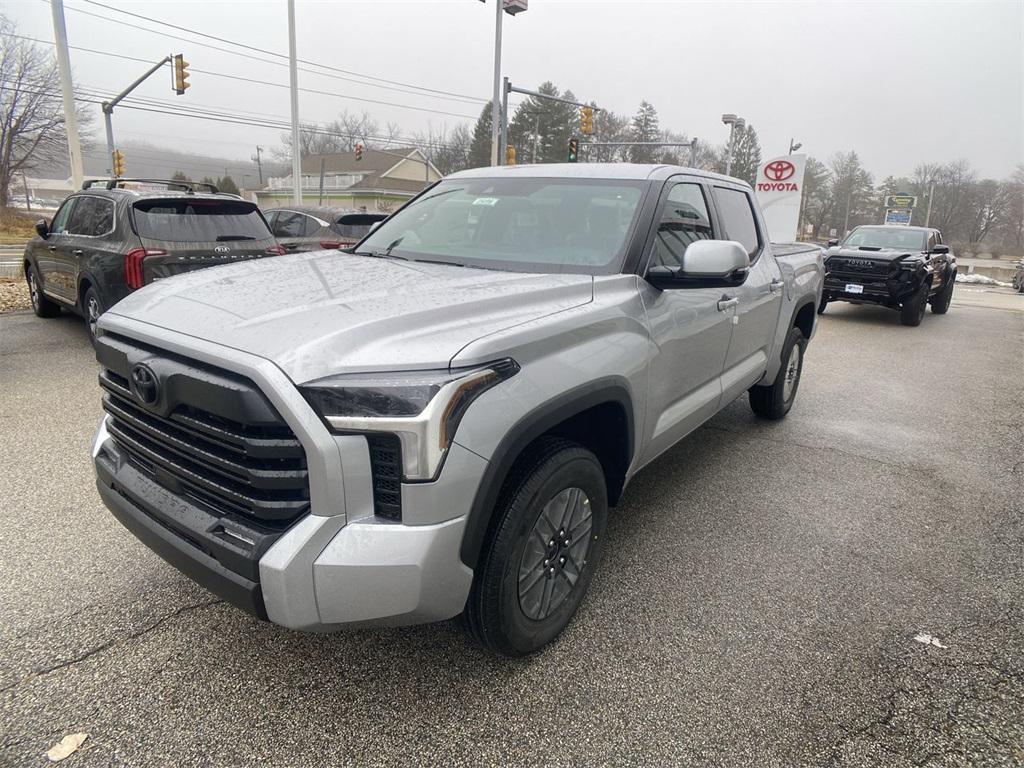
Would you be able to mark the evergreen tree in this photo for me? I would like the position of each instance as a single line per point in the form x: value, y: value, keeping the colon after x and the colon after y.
x: 746, y: 154
x: 545, y: 126
x: 180, y: 176
x: 480, y: 146
x: 208, y: 180
x: 227, y: 184
x: 644, y: 128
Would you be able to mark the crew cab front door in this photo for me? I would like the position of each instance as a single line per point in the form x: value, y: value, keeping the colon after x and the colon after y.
x: 689, y: 327
x: 758, y: 299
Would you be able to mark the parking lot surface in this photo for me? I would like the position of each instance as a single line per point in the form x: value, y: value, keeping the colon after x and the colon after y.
x: 758, y: 603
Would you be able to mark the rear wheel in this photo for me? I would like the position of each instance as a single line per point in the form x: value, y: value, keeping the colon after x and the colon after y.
x: 912, y: 310
x: 940, y: 301
x: 91, y: 309
x: 774, y: 401
x: 535, y: 572
x: 42, y: 306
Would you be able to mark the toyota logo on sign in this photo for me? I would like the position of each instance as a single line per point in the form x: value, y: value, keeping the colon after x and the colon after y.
x: 780, y: 170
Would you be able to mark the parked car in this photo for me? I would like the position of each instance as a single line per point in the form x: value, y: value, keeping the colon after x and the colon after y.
x: 437, y: 422
x: 904, y: 268
x: 319, y: 228
x: 109, y: 240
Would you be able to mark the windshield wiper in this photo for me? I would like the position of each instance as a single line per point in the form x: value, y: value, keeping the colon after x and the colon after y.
x: 232, y: 238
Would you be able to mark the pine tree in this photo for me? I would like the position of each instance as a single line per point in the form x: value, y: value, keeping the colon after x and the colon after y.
x: 180, y: 176
x: 746, y: 154
x: 544, y: 125
x: 480, y: 147
x: 644, y: 128
x: 227, y: 184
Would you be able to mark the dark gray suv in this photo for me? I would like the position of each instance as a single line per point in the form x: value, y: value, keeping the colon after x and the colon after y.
x: 108, y: 240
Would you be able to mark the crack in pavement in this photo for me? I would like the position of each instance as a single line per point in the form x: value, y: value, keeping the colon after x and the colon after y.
x: 118, y: 640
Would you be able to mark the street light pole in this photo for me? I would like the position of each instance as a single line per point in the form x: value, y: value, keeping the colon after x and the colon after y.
x: 294, y: 85
x: 60, y: 35
x: 733, y: 122
x: 496, y: 93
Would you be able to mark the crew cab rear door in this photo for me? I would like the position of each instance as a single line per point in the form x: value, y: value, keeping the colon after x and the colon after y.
x: 758, y: 299
x: 689, y: 329
x: 181, y: 234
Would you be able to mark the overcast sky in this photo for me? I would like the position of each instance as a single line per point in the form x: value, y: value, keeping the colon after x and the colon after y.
x: 902, y: 83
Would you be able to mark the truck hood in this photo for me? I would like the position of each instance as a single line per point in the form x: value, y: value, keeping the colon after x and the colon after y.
x: 324, y: 312
x: 871, y: 252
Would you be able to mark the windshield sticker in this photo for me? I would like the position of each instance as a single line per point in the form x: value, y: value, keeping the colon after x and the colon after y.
x: 491, y: 201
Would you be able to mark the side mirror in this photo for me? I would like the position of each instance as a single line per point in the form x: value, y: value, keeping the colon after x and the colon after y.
x: 706, y: 264
x: 43, y: 228
x: 940, y: 248
x: 833, y: 242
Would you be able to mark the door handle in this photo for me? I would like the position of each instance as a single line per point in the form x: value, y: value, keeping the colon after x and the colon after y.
x: 727, y: 303
x: 51, y: 247
x: 776, y: 285
x: 77, y: 252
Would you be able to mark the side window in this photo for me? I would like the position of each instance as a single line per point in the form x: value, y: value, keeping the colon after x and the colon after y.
x: 288, y: 224
x: 60, y: 221
x: 310, y: 225
x: 684, y: 219
x: 738, y: 218
x: 92, y: 216
x: 271, y: 219
x: 932, y: 240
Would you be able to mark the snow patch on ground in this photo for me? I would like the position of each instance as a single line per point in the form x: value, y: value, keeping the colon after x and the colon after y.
x: 981, y: 280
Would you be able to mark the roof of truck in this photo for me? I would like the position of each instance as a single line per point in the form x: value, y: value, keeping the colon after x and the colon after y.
x: 626, y: 171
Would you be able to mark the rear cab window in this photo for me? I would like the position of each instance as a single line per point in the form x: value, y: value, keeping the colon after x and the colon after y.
x: 187, y: 220
x: 737, y: 214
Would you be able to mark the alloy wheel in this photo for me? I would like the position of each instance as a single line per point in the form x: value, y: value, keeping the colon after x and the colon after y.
x: 555, y: 553
x: 792, y: 373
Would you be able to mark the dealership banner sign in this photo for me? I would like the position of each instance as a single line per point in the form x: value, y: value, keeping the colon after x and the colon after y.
x: 779, y: 188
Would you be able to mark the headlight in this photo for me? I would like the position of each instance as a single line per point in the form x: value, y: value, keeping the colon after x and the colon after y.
x: 423, y: 408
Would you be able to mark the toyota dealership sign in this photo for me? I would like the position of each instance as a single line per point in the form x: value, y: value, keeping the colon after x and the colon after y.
x: 779, y: 187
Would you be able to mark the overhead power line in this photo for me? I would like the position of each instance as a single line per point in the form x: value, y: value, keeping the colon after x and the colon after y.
x: 380, y: 82
x: 265, y: 82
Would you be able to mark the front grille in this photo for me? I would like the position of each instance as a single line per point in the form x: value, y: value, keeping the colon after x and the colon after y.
x: 853, y: 267
x: 386, y: 469
x: 256, y: 470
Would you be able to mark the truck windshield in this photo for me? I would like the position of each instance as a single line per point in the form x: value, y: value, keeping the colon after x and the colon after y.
x: 887, y: 237
x: 185, y: 220
x: 518, y: 224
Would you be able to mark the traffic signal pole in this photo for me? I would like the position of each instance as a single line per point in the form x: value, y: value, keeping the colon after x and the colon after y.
x: 108, y: 106
x: 509, y: 88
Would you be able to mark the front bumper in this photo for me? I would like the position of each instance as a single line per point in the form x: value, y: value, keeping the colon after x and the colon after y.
x: 337, y: 566
x: 884, y: 291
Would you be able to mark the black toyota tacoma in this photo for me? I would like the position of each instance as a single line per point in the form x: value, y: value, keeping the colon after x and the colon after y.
x: 904, y: 268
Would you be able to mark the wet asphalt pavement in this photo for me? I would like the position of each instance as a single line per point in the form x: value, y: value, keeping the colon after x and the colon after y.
x: 757, y: 605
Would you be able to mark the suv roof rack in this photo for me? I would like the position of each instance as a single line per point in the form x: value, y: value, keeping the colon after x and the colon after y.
x: 171, y: 184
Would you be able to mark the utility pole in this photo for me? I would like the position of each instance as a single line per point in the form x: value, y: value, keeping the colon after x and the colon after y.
x: 60, y: 35
x: 931, y: 194
x: 294, y: 85
x: 846, y: 221
x: 496, y: 93
x: 259, y: 164
x: 536, y: 135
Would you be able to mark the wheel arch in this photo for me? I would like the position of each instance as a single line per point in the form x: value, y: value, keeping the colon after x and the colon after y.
x: 581, y: 415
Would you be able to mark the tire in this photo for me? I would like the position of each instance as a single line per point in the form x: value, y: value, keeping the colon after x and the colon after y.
x: 912, y: 310
x: 42, y: 306
x: 821, y: 306
x: 524, y: 592
x: 940, y: 302
x: 774, y: 400
x: 91, y: 311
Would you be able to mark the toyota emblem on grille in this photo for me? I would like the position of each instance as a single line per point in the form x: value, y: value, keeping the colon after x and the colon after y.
x: 145, y: 384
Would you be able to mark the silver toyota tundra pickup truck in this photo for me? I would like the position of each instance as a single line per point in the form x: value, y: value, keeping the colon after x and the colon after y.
x: 437, y: 422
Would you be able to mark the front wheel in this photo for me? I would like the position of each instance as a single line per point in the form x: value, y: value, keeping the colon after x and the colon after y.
x: 42, y: 306
x: 774, y: 401
x: 912, y: 310
x: 534, y: 573
x: 940, y: 302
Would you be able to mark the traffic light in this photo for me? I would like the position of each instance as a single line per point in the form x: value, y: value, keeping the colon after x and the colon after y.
x: 587, y: 120
x: 359, y: 151
x: 180, y: 74
x: 574, y: 149
x: 510, y: 155
x: 117, y: 164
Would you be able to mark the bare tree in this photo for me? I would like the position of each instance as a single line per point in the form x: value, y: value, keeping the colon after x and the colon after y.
x: 31, y: 111
x: 448, y: 150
